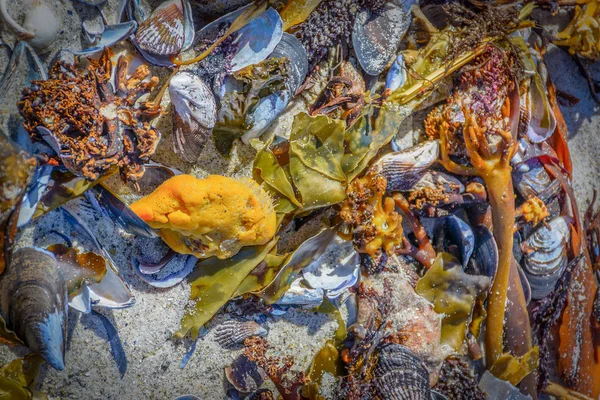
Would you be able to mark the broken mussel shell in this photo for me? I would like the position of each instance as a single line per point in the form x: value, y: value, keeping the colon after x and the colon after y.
x: 400, y: 374
x: 195, y: 114
x: 244, y: 375
x: 376, y: 34
x: 34, y: 301
x: 484, y: 259
x: 546, y: 256
x: 233, y: 333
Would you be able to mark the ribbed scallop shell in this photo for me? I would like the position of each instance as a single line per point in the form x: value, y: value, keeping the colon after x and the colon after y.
x: 195, y: 114
x: 400, y: 374
x: 402, y: 169
x: 232, y: 333
x: 163, y: 32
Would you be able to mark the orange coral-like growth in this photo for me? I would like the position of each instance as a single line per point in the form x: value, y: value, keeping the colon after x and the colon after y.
x: 533, y: 210
x: 377, y: 227
x: 93, y: 126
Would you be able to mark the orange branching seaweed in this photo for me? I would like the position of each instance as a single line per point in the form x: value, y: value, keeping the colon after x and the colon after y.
x: 377, y: 226
x: 287, y: 381
x: 482, y: 107
x: 92, y: 126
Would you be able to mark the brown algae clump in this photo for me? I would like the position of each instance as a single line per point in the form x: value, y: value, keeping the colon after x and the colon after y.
x: 209, y: 217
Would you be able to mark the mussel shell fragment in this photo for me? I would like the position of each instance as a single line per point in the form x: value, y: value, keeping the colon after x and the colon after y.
x: 400, y: 374
x: 462, y: 235
x: 547, y: 257
x: 195, y: 114
x: 376, y: 35
x: 396, y: 75
x: 484, y: 260
x: 531, y: 179
x: 291, y: 48
x: 34, y: 301
x: 336, y: 270
x: 256, y: 40
x: 233, y: 333
x: 244, y: 375
x: 111, y: 35
x: 115, y: 209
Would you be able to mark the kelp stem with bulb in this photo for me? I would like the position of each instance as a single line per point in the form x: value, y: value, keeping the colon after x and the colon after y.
x: 493, y: 166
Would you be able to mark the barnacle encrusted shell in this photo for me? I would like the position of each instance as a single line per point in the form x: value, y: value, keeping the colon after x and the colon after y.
x: 208, y: 217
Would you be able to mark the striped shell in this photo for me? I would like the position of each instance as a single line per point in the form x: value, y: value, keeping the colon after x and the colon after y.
x: 163, y: 32
x: 400, y: 374
x: 547, y: 261
x: 403, y: 168
x: 233, y: 333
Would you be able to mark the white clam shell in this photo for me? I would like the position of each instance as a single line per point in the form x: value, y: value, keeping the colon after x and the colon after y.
x: 195, y: 114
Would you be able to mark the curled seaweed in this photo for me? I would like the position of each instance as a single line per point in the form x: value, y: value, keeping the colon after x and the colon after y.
x: 91, y: 126
x: 453, y: 294
x: 582, y: 35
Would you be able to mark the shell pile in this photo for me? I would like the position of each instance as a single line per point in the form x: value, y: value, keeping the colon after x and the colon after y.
x: 318, y: 199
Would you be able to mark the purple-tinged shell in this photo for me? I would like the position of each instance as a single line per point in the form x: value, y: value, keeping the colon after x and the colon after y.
x: 233, y: 333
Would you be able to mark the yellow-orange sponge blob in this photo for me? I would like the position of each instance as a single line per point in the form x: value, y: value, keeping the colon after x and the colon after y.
x: 209, y: 217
